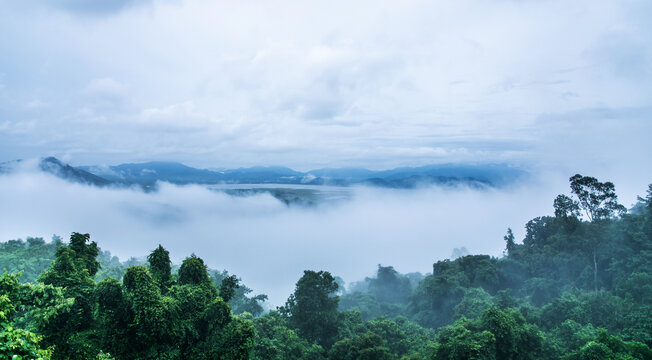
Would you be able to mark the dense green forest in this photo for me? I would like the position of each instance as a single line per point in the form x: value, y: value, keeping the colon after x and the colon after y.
x: 578, y: 286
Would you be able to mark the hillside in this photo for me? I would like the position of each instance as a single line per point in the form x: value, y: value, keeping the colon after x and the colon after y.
x: 576, y: 287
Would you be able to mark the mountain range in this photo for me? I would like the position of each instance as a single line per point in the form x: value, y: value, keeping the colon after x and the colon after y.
x: 147, y: 174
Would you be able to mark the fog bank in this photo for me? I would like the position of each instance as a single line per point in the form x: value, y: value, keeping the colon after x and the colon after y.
x: 264, y: 241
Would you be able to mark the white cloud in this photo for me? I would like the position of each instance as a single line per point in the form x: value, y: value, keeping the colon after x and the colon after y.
x: 105, y: 87
x: 176, y: 117
x: 372, y: 83
x: 267, y: 243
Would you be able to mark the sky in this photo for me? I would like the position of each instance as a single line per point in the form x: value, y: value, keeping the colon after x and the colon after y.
x: 553, y: 86
x: 377, y: 84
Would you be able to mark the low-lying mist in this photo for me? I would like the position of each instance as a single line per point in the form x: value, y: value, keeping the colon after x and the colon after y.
x: 268, y: 243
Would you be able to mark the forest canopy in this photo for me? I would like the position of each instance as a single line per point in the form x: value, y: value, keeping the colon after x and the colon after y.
x: 578, y: 286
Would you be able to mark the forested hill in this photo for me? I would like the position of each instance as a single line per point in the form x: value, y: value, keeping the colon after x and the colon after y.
x: 578, y: 286
x: 146, y: 175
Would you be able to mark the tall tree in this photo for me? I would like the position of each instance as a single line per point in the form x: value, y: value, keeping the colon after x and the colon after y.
x: 155, y: 318
x: 598, y: 200
x: 312, y: 308
x: 647, y: 200
x: 72, y: 270
x: 86, y: 254
x: 390, y: 286
x: 510, y: 244
x: 193, y: 271
x: 228, y: 287
x: 114, y: 313
x: 565, y: 207
x: 160, y: 267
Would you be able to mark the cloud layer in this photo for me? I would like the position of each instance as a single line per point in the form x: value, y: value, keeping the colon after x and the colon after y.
x: 266, y: 243
x: 325, y: 83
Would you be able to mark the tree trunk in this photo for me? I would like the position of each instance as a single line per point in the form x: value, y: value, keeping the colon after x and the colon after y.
x: 595, y: 271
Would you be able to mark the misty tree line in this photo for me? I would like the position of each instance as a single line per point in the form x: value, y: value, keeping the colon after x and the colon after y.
x: 578, y: 286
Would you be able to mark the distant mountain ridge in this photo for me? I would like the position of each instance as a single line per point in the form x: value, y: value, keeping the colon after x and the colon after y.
x: 147, y: 174
x: 56, y: 167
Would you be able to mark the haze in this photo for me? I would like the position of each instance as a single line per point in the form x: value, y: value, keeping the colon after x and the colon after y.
x: 266, y: 242
x: 554, y: 87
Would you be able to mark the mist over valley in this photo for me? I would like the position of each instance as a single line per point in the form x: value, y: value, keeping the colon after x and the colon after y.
x: 269, y: 233
x: 325, y: 180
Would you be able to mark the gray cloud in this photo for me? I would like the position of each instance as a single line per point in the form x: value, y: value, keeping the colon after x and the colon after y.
x: 373, y: 84
x: 97, y: 7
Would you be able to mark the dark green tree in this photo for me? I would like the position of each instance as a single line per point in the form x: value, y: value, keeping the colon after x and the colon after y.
x: 368, y: 346
x: 17, y: 343
x: 114, y: 315
x: 73, y: 270
x: 565, y: 207
x: 155, y: 321
x: 160, y: 267
x: 597, y: 200
x: 228, y: 287
x: 236, y: 340
x: 606, y: 346
x: 510, y: 244
x: 85, y: 254
x: 496, y: 334
x: 462, y: 342
x: 276, y: 340
x: 389, y: 286
x: 193, y: 271
x: 312, y: 308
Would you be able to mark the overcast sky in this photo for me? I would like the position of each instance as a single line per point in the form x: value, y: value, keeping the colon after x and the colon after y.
x: 379, y: 84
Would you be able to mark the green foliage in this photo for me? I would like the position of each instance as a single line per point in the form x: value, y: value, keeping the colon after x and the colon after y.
x: 433, y: 301
x: 228, y: 287
x: 193, y: 271
x: 160, y: 267
x: 368, y: 346
x: 363, y: 302
x: 473, y: 304
x: 510, y: 245
x: 574, y: 289
x: 153, y: 316
x: 72, y: 270
x: 458, y: 342
x: 566, y: 208
x: 85, y: 254
x: 237, y: 340
x: 386, y: 294
x: 34, y: 255
x: 312, y: 309
x: 16, y: 343
x: 239, y: 300
x: 605, y: 346
x: 274, y: 340
x: 144, y: 317
x: 114, y: 314
x: 598, y: 200
x: 389, y: 286
x: 31, y: 257
x: 496, y: 334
